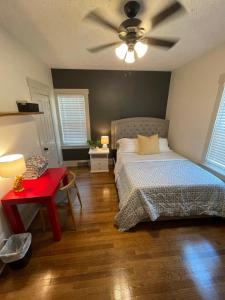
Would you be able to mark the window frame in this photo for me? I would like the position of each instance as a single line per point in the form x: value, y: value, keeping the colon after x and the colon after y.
x: 85, y: 93
x: 213, y: 167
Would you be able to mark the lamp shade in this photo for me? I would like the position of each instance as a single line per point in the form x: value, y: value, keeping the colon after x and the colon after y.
x: 12, y: 165
x: 104, y: 139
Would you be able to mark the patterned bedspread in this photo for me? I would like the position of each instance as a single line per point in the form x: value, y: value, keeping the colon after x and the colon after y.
x: 174, y: 187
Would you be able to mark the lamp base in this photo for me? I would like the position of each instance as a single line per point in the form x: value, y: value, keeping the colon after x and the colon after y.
x: 18, y: 184
x: 104, y: 146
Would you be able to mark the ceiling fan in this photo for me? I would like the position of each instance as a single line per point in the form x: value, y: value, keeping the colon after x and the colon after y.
x: 134, y: 43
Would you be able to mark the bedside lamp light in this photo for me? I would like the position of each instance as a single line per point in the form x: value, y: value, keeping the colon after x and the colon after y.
x: 13, y: 166
x: 104, y: 141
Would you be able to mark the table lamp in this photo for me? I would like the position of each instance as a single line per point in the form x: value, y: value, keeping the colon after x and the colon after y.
x: 104, y: 141
x: 13, y: 166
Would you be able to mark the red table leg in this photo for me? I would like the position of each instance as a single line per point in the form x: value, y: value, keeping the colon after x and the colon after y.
x: 54, y: 219
x: 14, y: 218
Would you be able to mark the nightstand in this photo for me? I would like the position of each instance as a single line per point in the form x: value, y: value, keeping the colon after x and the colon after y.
x: 99, y: 160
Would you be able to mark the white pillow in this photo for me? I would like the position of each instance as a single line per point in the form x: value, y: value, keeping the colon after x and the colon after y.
x: 127, y: 145
x: 131, y: 145
x: 163, y: 145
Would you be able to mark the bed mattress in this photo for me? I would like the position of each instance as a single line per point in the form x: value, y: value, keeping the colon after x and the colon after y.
x: 164, y: 185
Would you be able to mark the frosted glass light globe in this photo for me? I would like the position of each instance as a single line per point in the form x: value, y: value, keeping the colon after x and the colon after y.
x: 130, y: 57
x: 141, y: 49
x: 121, y: 51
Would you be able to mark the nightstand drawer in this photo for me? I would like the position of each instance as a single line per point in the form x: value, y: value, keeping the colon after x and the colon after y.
x: 101, y: 156
x: 99, y: 164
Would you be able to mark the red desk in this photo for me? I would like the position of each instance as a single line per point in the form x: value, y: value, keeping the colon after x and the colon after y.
x: 41, y: 190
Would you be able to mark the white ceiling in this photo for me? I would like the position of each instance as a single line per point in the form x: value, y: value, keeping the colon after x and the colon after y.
x: 55, y: 31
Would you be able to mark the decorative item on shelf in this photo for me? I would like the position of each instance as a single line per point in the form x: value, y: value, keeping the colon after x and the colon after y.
x: 13, y: 166
x: 104, y: 141
x: 94, y: 144
x: 24, y: 106
x: 36, y: 165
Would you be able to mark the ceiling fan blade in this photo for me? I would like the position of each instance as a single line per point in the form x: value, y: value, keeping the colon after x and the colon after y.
x: 166, y: 13
x: 100, y: 20
x: 102, y: 47
x: 160, y: 42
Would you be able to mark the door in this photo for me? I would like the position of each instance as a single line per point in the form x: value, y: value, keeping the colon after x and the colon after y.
x: 40, y: 95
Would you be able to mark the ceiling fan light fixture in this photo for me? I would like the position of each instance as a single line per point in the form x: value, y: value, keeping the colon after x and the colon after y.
x: 130, y: 58
x: 121, y: 51
x: 140, y: 49
x: 133, y: 42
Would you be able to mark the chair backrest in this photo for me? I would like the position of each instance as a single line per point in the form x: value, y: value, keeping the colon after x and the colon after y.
x: 70, y: 183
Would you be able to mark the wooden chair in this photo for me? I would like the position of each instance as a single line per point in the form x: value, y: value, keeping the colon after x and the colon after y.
x: 69, y: 203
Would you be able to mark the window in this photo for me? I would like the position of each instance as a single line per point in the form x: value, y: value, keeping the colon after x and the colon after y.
x: 216, y: 151
x: 73, y: 110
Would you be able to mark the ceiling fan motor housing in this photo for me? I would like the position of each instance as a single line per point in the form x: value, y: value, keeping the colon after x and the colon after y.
x: 130, y: 31
x: 131, y: 8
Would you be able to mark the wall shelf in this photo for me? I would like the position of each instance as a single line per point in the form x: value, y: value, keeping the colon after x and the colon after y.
x: 4, y: 114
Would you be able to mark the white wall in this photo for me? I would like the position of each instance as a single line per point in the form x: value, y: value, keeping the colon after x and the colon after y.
x: 17, y: 134
x: 192, y: 98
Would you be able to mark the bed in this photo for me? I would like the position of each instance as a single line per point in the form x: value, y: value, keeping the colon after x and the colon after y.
x: 160, y: 185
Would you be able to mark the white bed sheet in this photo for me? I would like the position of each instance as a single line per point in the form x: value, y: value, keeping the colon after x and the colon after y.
x: 123, y: 158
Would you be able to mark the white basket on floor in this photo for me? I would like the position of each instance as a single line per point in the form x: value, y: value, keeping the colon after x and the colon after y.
x: 15, y: 247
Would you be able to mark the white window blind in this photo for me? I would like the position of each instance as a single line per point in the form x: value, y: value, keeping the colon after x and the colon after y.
x: 216, y: 150
x: 73, y: 119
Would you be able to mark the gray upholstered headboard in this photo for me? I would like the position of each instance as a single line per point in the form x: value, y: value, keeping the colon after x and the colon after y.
x: 131, y: 127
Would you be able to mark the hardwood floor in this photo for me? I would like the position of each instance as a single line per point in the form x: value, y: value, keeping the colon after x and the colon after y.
x: 164, y: 260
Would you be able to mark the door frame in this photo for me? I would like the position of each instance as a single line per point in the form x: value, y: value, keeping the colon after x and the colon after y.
x: 36, y: 87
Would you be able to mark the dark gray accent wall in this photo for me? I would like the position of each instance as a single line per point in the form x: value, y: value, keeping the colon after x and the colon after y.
x: 115, y: 95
